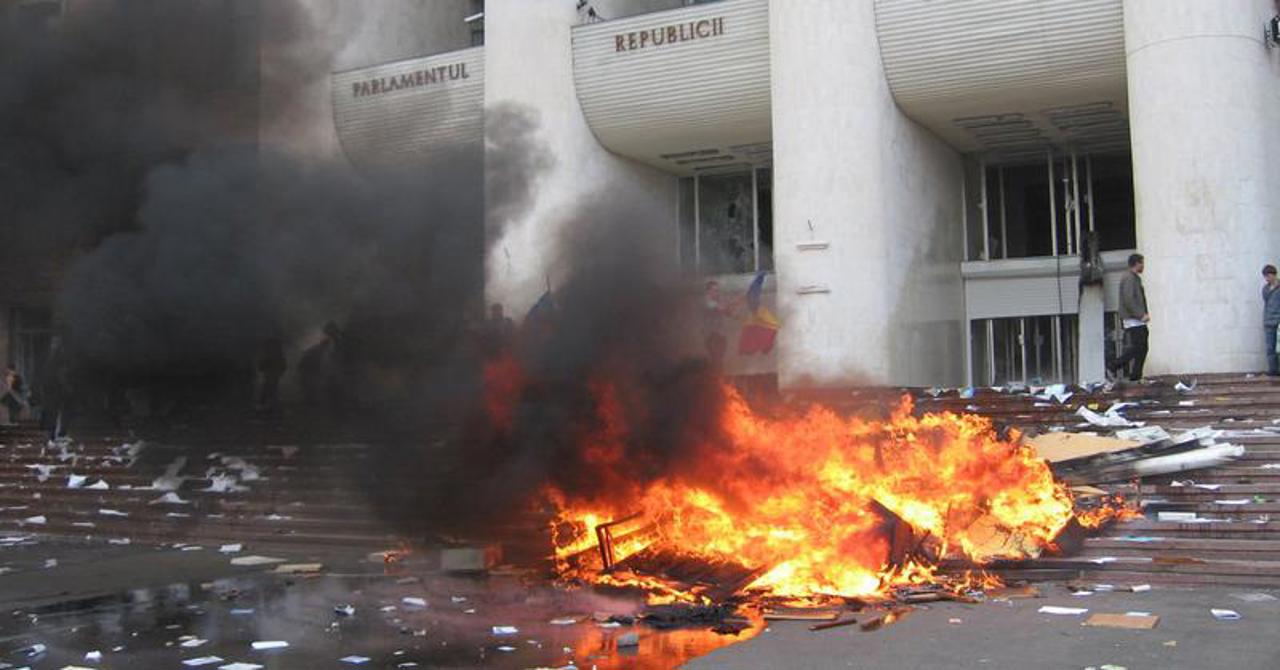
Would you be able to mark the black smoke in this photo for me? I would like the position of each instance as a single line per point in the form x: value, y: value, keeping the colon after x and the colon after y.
x: 129, y: 149
x: 193, y: 242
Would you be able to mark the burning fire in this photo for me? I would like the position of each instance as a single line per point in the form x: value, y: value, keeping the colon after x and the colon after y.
x: 813, y: 504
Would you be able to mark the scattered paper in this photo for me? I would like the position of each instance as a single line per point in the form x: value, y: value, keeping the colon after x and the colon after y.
x: 35, y: 520
x: 170, y: 498
x: 264, y: 645
x: 240, y: 666
x: 1232, y: 501
x: 564, y: 621
x: 299, y: 568
x: 1139, y: 588
x: 93, y: 656
x: 100, y: 485
x: 1111, y: 419
x: 1054, y: 609
x: 256, y: 560
x: 76, y: 481
x: 1254, y: 597
x: 344, y: 610
x: 1176, y: 516
x: 413, y: 601
x: 505, y: 630
x: 112, y: 512
x: 1225, y: 615
x: 1144, y: 435
x: 230, y: 548
x: 193, y: 642
x: 241, y: 611
x: 355, y: 660
x: 203, y: 660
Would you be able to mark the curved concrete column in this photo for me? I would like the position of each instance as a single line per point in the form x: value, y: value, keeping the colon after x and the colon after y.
x: 867, y: 211
x: 529, y: 67
x: 1204, y: 100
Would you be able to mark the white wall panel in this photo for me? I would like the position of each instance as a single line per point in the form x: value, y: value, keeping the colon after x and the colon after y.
x: 1033, y: 286
x: 647, y: 100
x: 439, y: 107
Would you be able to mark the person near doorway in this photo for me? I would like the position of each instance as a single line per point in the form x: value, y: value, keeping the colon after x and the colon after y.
x: 1134, y: 317
x: 15, y: 393
x: 1271, y: 317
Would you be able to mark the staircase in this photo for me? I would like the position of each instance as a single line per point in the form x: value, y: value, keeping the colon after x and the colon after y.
x: 1240, y: 544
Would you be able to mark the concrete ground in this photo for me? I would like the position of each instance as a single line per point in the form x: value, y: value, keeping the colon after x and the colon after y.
x: 1003, y: 635
x: 134, y: 603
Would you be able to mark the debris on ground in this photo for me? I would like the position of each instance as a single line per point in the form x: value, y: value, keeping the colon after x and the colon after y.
x: 1130, y: 620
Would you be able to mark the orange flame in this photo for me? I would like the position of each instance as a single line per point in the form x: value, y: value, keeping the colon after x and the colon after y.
x: 795, y: 498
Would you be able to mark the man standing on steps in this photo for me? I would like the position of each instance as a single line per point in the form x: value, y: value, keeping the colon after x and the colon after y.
x: 1134, y: 317
x: 1271, y: 317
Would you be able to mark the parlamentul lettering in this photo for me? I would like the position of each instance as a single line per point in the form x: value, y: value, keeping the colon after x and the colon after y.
x: 415, y: 79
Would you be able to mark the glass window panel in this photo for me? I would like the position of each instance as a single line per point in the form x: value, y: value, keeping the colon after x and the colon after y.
x: 688, y: 229
x: 1113, y: 203
x: 726, y: 231
x: 978, y: 353
x: 974, y: 249
x: 764, y: 193
x: 1026, y: 210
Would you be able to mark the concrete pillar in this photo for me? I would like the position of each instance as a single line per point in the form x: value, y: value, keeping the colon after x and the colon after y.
x: 1204, y: 101
x: 529, y: 66
x: 1091, y: 336
x: 868, y: 212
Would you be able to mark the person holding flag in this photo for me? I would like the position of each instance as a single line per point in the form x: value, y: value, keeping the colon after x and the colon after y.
x: 760, y: 327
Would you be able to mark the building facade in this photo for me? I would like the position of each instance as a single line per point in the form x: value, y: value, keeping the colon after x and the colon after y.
x: 921, y: 179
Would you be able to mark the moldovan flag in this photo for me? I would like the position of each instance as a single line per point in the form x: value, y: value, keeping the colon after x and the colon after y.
x: 760, y: 329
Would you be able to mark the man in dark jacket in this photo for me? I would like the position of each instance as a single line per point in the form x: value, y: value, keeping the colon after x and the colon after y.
x: 1134, y: 317
x: 1271, y: 317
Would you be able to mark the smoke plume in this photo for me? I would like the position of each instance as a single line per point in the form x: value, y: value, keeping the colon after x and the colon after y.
x: 193, y: 243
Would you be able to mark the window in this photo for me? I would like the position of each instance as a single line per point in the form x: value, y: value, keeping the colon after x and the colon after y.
x: 1034, y: 350
x: 1111, y: 201
x: 726, y: 222
x: 1045, y: 208
x: 475, y: 19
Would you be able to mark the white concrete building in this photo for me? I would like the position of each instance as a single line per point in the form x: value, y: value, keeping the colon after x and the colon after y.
x: 920, y: 177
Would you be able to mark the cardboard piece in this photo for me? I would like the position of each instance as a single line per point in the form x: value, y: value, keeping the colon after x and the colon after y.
x: 801, y: 614
x: 1055, y: 447
x: 1132, y: 622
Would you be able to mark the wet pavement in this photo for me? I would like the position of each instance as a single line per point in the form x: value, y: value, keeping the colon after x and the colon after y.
x: 352, y: 614
x: 177, y: 607
x: 1014, y: 634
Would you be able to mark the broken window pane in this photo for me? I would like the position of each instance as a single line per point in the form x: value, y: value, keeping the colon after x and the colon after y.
x: 726, y: 232
x: 764, y: 207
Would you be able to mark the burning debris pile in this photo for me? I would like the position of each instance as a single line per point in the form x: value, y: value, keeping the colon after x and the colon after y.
x: 811, y: 505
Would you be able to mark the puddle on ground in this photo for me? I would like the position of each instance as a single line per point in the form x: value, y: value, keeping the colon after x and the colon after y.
x: 146, y: 628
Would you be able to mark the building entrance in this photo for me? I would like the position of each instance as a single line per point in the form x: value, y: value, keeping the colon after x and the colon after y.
x: 1027, y: 225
